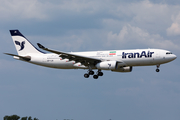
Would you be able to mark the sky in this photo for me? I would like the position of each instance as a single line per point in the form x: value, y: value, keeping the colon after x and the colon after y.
x: 81, y: 25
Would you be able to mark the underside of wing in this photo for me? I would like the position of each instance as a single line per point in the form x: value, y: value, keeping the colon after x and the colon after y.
x: 87, y: 61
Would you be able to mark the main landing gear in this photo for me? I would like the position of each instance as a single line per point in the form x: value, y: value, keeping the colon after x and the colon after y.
x: 157, y: 70
x: 90, y: 72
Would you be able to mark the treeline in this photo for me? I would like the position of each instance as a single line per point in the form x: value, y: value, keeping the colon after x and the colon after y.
x: 15, y: 117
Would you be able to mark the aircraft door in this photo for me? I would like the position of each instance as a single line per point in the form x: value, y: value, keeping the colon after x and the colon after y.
x: 158, y: 57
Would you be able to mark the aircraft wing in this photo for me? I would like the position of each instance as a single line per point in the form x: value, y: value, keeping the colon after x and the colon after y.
x: 73, y: 57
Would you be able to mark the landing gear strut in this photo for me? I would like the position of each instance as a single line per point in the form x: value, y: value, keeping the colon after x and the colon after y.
x: 86, y: 75
x: 157, y: 70
x: 99, y: 73
x: 90, y: 72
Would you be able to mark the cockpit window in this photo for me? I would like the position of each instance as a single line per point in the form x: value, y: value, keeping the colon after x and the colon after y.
x: 168, y: 53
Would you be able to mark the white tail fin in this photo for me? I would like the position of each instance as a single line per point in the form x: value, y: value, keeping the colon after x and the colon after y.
x: 23, y: 46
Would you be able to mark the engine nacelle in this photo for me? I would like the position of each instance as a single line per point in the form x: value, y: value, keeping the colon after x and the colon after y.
x: 123, y: 69
x: 113, y: 66
x: 107, y: 65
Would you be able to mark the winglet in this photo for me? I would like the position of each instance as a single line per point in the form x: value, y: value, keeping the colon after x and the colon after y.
x: 40, y: 46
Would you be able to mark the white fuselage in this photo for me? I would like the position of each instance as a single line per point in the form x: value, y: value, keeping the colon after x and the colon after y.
x: 114, y: 60
x: 136, y: 57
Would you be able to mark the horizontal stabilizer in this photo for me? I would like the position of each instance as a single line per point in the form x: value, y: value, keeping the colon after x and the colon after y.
x: 26, y: 58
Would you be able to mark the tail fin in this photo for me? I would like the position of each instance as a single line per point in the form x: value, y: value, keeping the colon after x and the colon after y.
x: 23, y: 46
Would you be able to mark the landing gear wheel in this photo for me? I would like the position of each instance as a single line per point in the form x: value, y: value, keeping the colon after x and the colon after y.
x: 86, y: 75
x: 95, y: 76
x: 157, y: 70
x: 100, y: 73
x: 91, y: 72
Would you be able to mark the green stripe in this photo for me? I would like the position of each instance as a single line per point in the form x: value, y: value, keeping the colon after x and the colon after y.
x: 112, y: 52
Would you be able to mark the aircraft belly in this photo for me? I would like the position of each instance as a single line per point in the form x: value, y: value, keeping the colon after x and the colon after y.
x: 61, y: 64
x: 56, y: 63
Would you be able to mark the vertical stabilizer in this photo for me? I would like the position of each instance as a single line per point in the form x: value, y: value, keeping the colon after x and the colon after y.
x: 23, y: 46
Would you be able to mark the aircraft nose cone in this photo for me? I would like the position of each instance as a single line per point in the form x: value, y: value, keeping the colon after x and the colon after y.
x: 174, y: 57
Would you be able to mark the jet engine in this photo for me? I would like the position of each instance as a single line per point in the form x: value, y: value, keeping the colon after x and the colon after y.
x: 123, y: 69
x: 113, y: 66
x: 107, y: 65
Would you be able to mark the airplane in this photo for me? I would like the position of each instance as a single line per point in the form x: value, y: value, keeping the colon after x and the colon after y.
x: 114, y: 60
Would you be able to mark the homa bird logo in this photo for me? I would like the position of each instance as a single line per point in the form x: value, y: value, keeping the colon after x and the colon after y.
x: 109, y: 65
x: 20, y: 44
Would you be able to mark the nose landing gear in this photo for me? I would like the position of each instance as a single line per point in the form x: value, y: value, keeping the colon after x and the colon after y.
x: 157, y: 70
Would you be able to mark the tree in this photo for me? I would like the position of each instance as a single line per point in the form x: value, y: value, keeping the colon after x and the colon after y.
x: 12, y: 117
x: 24, y: 118
x: 30, y: 118
x: 15, y: 117
x: 6, y: 117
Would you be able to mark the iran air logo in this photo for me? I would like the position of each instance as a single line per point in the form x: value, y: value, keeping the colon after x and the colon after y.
x: 20, y: 44
x: 112, y: 53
